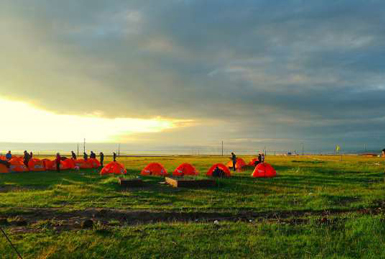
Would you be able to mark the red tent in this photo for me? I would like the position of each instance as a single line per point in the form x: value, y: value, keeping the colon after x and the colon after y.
x: 253, y: 161
x: 185, y: 169
x: 154, y: 169
x: 221, y: 167
x: 3, y: 169
x: 113, y: 168
x: 17, y: 165
x: 83, y: 164
x: 94, y: 162
x: 264, y: 170
x: 36, y: 165
x: 68, y: 164
x: 238, y: 165
x: 47, y: 164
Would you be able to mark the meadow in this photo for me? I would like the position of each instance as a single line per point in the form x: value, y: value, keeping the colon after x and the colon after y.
x: 317, y: 206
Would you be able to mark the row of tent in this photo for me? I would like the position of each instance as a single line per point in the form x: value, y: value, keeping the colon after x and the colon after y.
x: 16, y: 164
x: 185, y: 169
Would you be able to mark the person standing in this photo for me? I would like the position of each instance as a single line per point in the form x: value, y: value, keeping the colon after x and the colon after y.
x: 114, y: 156
x: 101, y: 158
x: 383, y: 154
x: 30, y: 155
x: 85, y: 156
x: 93, y: 155
x: 58, y: 160
x: 234, y: 159
x: 26, y: 158
x: 8, y: 156
x: 73, y: 155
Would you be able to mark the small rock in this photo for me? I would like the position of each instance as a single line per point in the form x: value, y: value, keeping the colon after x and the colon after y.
x: 87, y: 224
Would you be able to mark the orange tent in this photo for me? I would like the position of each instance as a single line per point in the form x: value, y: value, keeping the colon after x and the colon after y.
x: 47, y: 164
x: 94, y: 162
x: 221, y: 167
x: 67, y: 164
x: 264, y: 170
x: 17, y: 165
x: 185, y: 169
x: 113, y: 168
x: 4, y: 166
x: 238, y: 165
x: 83, y: 164
x: 36, y: 165
x: 154, y: 169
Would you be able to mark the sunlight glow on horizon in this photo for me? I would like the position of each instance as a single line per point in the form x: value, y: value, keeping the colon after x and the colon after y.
x: 22, y: 122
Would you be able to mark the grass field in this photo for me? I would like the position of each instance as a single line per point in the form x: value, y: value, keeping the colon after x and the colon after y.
x: 318, y: 206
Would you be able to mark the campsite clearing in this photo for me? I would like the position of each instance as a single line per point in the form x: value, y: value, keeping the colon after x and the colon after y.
x: 316, y: 206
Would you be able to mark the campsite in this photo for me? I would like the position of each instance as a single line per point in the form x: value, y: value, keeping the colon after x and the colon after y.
x: 316, y: 206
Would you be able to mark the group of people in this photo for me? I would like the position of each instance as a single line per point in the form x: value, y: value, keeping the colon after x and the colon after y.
x: 27, y: 156
x: 261, y: 159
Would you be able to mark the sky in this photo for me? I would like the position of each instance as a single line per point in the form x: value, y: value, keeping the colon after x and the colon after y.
x: 188, y: 74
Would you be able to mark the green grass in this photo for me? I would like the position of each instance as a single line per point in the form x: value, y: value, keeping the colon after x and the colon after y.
x: 305, y: 189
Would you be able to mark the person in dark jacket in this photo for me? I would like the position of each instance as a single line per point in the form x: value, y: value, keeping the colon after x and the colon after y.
x: 8, y: 156
x: 73, y: 155
x: 218, y: 172
x: 234, y: 159
x: 26, y: 158
x: 114, y: 156
x: 30, y: 155
x: 93, y: 155
x: 85, y: 156
x: 101, y: 158
x: 58, y: 160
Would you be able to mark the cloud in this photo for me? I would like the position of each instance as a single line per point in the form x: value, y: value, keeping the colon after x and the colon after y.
x: 265, y: 69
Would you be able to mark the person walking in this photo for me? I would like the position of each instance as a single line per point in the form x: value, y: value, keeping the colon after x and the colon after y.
x: 58, y: 160
x: 73, y: 155
x: 101, y: 158
x: 234, y: 159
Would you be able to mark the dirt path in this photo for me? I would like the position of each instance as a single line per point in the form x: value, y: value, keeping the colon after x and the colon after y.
x: 33, y: 219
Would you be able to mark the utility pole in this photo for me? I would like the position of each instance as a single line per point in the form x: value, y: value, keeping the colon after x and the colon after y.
x: 222, y: 147
x: 84, y: 145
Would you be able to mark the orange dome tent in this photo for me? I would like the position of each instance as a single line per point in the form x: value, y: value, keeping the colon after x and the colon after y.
x: 4, y: 166
x: 264, y: 170
x: 47, y: 164
x: 94, y: 162
x: 154, y: 169
x: 67, y: 164
x: 17, y: 165
x: 238, y: 165
x: 222, y: 167
x: 3, y: 169
x: 36, y: 165
x: 83, y: 164
x: 185, y: 169
x: 113, y: 168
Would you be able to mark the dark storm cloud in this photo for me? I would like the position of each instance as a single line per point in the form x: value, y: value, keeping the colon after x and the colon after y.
x: 276, y: 69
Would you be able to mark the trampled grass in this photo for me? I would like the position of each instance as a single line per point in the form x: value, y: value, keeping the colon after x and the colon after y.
x: 317, y: 206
